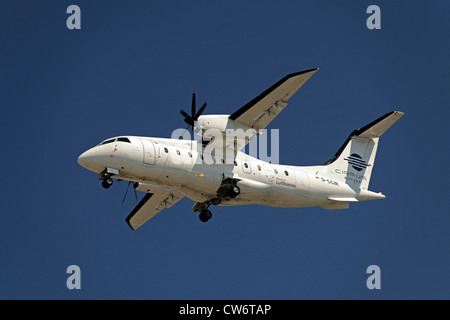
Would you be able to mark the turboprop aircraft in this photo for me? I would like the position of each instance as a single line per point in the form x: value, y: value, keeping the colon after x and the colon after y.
x: 168, y: 170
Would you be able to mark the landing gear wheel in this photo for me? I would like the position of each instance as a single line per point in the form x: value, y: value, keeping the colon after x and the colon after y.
x: 107, y: 183
x: 205, y: 216
x: 234, y: 192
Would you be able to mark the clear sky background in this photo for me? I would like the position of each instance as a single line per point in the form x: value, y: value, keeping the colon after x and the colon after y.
x: 134, y: 65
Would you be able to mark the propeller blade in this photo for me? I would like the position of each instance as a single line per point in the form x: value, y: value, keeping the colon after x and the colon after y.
x: 200, y: 111
x: 191, y: 118
x: 193, y: 104
x: 185, y: 114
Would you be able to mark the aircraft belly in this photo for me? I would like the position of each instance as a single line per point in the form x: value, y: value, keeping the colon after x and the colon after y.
x: 254, y: 192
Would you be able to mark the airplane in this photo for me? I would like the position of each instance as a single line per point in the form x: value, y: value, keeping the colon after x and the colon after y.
x: 168, y: 170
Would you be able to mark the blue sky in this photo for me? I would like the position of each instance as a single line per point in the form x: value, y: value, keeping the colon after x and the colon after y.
x: 129, y: 71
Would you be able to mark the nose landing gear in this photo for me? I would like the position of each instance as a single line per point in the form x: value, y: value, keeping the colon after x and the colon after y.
x: 107, y: 182
x: 105, y: 176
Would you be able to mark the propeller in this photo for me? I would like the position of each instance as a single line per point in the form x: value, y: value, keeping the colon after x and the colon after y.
x: 128, y: 187
x: 191, y: 118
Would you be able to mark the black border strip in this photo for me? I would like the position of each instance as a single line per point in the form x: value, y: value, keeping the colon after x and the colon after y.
x: 356, y: 132
x: 250, y: 104
x: 137, y: 208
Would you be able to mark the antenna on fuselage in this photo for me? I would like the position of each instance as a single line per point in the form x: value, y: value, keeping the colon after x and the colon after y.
x: 128, y: 187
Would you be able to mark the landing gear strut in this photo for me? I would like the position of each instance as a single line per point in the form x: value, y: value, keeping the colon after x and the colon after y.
x: 202, y: 207
x: 227, y: 189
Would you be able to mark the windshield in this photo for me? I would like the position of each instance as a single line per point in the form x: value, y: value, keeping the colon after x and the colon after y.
x: 123, y: 139
x: 106, y: 142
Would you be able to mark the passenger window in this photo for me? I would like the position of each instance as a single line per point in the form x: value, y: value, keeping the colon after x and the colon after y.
x: 286, y: 173
x: 275, y: 170
x: 178, y: 152
x: 259, y: 167
x: 235, y: 163
x: 166, y: 150
x: 246, y: 165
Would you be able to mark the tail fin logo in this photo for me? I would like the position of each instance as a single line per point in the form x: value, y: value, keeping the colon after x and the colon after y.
x: 357, y: 162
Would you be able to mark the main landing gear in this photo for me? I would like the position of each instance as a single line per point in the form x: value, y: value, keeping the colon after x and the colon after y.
x: 227, y: 189
x: 202, y: 207
x: 205, y: 215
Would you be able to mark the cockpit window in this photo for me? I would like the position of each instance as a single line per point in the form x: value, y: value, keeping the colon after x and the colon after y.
x: 123, y: 139
x: 107, y: 141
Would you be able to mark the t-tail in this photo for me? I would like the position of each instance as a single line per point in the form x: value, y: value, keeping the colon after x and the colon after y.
x: 354, y: 161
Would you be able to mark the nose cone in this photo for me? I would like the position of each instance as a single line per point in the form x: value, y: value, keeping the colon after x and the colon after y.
x: 84, y: 159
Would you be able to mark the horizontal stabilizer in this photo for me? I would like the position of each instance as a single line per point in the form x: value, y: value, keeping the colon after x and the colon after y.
x: 336, y: 205
x: 343, y: 199
x: 376, y: 128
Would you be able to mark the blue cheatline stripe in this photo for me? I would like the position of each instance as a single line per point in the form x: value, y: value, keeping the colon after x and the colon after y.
x: 356, y: 162
x: 359, y: 164
x: 360, y: 167
x: 356, y: 159
x: 353, y: 162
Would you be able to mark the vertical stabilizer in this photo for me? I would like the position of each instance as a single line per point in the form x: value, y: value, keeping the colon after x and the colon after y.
x: 354, y: 161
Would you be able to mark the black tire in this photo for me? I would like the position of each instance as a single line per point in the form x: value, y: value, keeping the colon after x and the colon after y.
x: 105, y: 184
x: 205, y: 216
x: 223, y: 192
x: 234, y: 192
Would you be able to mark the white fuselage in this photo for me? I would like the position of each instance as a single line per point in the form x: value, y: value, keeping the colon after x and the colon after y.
x: 176, y: 164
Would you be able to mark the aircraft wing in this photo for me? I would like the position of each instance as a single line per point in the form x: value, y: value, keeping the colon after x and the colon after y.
x: 152, y: 203
x: 259, y: 112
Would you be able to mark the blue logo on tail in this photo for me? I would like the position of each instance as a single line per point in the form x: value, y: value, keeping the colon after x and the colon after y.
x: 357, y: 162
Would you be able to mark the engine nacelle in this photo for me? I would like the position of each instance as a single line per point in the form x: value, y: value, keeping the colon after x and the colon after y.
x: 210, y: 126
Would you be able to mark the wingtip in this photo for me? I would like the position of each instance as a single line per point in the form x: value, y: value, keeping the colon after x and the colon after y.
x: 127, y: 220
x: 301, y: 72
